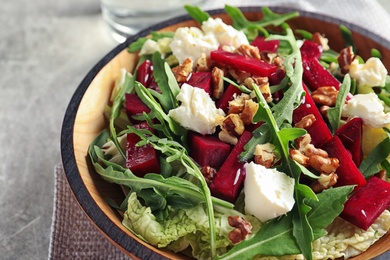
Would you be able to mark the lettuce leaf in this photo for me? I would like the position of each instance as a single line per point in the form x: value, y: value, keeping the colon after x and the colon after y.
x: 182, y: 229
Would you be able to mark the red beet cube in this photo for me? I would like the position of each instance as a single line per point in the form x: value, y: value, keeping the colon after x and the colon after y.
x: 348, y: 173
x: 228, y: 95
x: 316, y: 76
x: 266, y: 45
x: 201, y: 80
x: 319, y: 130
x: 141, y: 159
x: 350, y: 135
x: 134, y: 105
x: 208, y: 150
x: 243, y: 63
x: 367, y: 203
x: 228, y: 182
x: 311, y: 49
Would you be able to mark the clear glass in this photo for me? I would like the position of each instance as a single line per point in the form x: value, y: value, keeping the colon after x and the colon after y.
x: 127, y: 17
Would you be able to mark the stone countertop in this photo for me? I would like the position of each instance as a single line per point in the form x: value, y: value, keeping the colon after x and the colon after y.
x: 46, y: 49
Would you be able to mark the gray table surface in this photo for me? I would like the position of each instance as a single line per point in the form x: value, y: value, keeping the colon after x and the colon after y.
x: 46, y: 48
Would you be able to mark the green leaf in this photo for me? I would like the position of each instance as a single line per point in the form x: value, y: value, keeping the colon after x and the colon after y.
x: 166, y: 82
x: 275, y: 238
x: 370, y: 165
x: 197, y: 14
x: 347, y: 36
x: 137, y: 45
x: 126, y: 86
x: 329, y: 204
x: 334, y: 113
x: 283, y: 110
x: 251, y: 28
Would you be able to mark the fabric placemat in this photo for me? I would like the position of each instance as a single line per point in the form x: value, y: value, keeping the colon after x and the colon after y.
x: 73, y: 236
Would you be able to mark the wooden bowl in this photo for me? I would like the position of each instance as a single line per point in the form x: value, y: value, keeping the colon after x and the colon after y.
x: 84, y: 120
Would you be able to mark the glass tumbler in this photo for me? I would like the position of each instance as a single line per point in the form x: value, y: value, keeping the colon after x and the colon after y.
x: 127, y: 17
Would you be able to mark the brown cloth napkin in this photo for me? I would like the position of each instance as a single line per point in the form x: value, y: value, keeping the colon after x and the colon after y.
x: 73, y: 236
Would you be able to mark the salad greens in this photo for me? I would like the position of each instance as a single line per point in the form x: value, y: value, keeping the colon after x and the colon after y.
x: 175, y: 208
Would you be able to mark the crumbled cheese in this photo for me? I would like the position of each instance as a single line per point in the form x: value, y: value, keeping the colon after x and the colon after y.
x: 197, y: 110
x: 369, y: 108
x: 268, y: 192
x: 191, y: 42
x: 225, y: 34
x: 372, y: 73
x: 150, y: 46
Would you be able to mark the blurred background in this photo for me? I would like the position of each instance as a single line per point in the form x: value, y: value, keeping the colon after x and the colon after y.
x: 46, y: 48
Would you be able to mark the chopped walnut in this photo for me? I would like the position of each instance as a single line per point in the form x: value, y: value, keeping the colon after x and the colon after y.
x: 249, y: 51
x: 306, y: 121
x: 203, y: 63
x: 227, y: 138
x: 323, y: 164
x: 237, y: 104
x: 262, y: 83
x: 345, y: 58
x: 182, y: 71
x: 321, y: 40
x: 217, y: 82
x: 233, y: 125
x: 326, y: 95
x: 208, y: 173
x: 264, y: 154
x: 316, y: 158
x: 241, y: 229
x: 299, y: 157
x: 239, y: 75
x: 249, y: 111
x: 325, y: 181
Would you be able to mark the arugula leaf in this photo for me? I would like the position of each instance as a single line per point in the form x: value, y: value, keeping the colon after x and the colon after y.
x: 275, y: 238
x: 251, y: 28
x: 334, y: 113
x: 370, y: 165
x: 347, y: 36
x: 166, y: 82
x: 196, y: 13
x: 155, y: 36
x: 175, y: 151
x: 127, y: 84
x: 293, y: 63
x: 329, y: 204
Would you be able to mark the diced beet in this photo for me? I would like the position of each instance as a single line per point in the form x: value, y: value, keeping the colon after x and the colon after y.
x: 134, y: 105
x: 145, y: 73
x: 319, y: 130
x: 350, y: 135
x: 310, y: 49
x: 228, y: 95
x: 367, y: 203
x: 253, y: 127
x: 229, y: 180
x: 266, y: 45
x: 316, y: 76
x: 243, y: 63
x: 276, y: 77
x: 348, y: 173
x: 141, y: 159
x: 201, y: 80
x: 208, y: 150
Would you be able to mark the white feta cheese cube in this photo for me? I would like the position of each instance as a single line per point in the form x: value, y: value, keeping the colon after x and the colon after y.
x: 268, y: 192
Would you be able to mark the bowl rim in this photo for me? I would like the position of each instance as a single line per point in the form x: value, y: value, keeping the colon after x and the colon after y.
x: 79, y: 190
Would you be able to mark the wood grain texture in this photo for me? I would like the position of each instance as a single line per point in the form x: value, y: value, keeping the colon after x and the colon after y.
x: 90, y: 121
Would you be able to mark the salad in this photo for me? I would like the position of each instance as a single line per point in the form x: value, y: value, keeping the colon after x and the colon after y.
x: 250, y: 141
